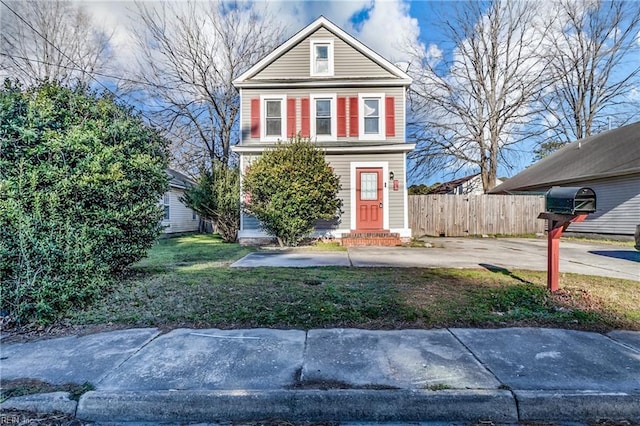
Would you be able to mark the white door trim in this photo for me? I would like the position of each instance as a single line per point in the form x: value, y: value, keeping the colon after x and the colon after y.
x: 385, y: 189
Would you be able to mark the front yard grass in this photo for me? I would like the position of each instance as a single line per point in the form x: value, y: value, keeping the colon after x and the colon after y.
x: 187, y: 282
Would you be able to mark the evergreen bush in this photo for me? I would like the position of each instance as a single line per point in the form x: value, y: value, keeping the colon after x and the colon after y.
x: 80, y: 181
x: 289, y: 188
x: 216, y: 197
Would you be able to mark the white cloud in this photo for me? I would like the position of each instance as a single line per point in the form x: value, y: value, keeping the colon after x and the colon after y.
x: 114, y: 18
x: 390, y: 30
x: 385, y: 26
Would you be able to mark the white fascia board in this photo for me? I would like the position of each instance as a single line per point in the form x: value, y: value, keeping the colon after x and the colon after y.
x: 305, y: 32
x: 370, y: 149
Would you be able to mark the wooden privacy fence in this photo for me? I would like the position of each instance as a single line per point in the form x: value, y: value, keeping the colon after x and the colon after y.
x: 463, y: 215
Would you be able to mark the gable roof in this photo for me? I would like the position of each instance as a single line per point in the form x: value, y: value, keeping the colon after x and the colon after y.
x: 179, y: 180
x: 305, y: 32
x: 608, y: 154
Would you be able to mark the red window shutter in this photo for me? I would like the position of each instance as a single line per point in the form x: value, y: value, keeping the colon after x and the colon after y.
x: 390, y: 112
x: 342, y: 117
x: 291, y: 117
x: 255, y: 118
x: 304, y: 103
x: 353, y: 117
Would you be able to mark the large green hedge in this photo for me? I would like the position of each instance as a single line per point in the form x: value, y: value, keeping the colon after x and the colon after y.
x: 80, y: 180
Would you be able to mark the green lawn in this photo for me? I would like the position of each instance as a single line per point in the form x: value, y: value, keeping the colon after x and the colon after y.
x: 187, y: 282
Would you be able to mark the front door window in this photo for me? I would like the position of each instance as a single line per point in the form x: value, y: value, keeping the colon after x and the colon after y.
x: 369, y: 188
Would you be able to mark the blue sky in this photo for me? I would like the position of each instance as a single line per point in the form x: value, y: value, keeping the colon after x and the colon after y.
x: 386, y: 26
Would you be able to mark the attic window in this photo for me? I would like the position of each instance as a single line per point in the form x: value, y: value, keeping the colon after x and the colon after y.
x: 322, y: 57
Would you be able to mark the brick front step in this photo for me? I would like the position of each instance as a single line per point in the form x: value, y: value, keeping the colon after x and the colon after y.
x: 380, y: 239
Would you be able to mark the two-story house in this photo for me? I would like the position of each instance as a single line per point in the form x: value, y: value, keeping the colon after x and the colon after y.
x: 350, y: 101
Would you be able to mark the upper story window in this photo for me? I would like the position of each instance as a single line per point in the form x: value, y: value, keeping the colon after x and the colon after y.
x: 322, y: 57
x: 323, y: 117
x: 273, y: 117
x: 372, y: 116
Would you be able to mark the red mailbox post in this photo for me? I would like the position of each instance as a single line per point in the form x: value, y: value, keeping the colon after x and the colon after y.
x: 564, y: 206
x: 558, y: 223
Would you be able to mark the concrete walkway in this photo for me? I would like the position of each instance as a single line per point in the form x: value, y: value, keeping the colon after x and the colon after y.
x: 344, y: 375
x: 508, y: 253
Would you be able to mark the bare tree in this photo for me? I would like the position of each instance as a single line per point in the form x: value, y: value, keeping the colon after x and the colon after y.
x: 190, y: 54
x: 471, y: 105
x: 596, y: 66
x: 50, y: 40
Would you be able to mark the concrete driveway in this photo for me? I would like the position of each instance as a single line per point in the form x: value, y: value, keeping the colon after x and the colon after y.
x: 509, y: 253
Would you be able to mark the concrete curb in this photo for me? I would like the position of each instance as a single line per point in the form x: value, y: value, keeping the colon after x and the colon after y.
x: 42, y: 403
x: 583, y: 406
x: 299, y: 405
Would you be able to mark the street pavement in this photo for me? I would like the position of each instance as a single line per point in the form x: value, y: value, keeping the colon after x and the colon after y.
x: 505, y: 253
x: 501, y: 376
x: 344, y: 375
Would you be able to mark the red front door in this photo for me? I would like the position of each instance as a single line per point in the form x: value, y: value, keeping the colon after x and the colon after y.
x: 369, y: 206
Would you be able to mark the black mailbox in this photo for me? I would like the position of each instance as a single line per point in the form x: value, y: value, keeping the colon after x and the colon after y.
x: 570, y: 200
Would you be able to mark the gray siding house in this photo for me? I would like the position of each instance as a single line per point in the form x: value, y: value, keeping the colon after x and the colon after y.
x: 178, y: 218
x: 326, y: 85
x: 608, y: 163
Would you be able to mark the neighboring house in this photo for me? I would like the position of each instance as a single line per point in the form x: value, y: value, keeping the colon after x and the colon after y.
x: 178, y: 218
x: 608, y: 163
x: 326, y: 85
x: 468, y: 185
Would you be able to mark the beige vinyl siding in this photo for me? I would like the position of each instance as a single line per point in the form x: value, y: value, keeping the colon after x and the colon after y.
x: 180, y: 216
x: 396, y: 92
x: 348, y: 62
x: 617, y: 204
x: 341, y: 165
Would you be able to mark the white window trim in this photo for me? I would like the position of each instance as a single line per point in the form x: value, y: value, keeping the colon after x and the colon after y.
x: 312, y: 55
x: 381, y: 135
x: 263, y: 118
x: 334, y: 116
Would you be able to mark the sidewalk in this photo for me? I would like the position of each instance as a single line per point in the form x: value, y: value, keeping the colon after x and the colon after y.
x: 345, y: 375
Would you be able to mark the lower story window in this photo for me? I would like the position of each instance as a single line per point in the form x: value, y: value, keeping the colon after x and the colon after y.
x: 166, y: 201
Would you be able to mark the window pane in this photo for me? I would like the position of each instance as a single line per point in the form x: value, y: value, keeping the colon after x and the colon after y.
x: 323, y: 126
x: 322, y: 67
x: 274, y: 127
x: 369, y: 186
x: 167, y: 214
x: 322, y: 51
x: 371, y: 125
x: 323, y: 108
x: 273, y: 108
x: 371, y: 108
